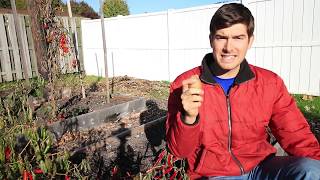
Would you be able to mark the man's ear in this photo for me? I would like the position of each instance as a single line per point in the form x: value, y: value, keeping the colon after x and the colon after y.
x: 251, y: 39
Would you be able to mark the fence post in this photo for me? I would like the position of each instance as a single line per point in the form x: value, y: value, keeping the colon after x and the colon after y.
x: 168, y: 40
x: 104, y: 50
x: 74, y: 33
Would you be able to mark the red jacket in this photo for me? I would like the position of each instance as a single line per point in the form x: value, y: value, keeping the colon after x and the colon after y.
x: 229, y: 137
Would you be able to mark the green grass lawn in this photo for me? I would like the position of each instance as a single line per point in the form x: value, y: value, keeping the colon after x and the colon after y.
x: 310, y: 108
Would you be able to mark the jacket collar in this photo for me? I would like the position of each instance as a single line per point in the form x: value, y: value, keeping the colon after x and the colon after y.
x: 209, y: 69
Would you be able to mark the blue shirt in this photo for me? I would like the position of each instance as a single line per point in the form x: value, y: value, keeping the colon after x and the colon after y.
x: 224, y: 83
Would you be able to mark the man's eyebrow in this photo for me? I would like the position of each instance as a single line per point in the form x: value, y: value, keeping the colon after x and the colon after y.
x: 225, y: 36
x: 240, y: 35
x: 220, y: 35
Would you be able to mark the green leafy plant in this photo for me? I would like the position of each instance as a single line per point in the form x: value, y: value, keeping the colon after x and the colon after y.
x: 37, y: 87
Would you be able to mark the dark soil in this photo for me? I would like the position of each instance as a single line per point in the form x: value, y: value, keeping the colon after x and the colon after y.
x: 129, y: 144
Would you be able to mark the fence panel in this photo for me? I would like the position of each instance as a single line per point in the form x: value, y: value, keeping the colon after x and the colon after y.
x: 287, y: 41
x: 130, y: 48
x: 11, y: 65
x: 294, y: 43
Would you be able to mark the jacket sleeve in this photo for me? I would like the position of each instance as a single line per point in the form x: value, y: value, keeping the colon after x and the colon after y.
x: 290, y: 127
x: 182, y: 139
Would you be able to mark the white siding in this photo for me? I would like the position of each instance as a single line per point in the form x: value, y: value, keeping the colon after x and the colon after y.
x: 287, y: 33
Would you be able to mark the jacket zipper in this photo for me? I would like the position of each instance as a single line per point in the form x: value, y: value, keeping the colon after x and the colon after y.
x: 230, y: 137
x: 235, y: 159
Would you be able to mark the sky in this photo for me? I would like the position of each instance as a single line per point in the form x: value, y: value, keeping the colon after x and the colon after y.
x: 143, y: 6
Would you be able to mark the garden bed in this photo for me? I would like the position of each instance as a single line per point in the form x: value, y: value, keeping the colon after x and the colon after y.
x: 126, y: 134
x: 122, y: 136
x: 96, y: 117
x: 128, y: 143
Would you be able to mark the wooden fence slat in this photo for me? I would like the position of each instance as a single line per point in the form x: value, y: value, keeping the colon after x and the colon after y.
x: 31, y: 49
x: 5, y: 59
x: 79, y: 34
x: 15, y: 48
x: 25, y: 43
x: 75, y: 40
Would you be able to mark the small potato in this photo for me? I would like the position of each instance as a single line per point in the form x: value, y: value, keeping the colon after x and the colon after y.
x: 196, y: 82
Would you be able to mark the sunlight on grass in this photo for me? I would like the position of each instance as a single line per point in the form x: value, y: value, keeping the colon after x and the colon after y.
x: 309, y: 107
x: 73, y: 80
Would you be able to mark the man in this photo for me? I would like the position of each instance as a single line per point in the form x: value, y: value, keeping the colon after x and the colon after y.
x: 218, y: 112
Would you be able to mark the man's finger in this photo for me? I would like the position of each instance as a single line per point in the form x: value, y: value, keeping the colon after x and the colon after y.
x: 185, y: 86
x: 188, y: 99
x: 195, y: 91
x: 196, y: 98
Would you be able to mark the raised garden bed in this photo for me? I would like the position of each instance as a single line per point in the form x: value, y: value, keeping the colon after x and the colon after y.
x: 126, y: 137
x: 96, y: 118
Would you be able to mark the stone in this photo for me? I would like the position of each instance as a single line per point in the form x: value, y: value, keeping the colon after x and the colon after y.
x: 66, y: 93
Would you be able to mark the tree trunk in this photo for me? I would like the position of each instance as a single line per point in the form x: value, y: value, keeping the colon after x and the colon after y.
x: 38, y: 39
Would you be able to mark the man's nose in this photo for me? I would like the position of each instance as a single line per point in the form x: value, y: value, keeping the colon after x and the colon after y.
x: 227, y: 46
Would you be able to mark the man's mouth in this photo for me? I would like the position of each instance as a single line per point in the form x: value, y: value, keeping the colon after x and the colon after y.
x: 228, y: 58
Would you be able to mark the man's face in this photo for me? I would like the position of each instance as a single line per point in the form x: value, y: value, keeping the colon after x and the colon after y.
x: 230, y: 46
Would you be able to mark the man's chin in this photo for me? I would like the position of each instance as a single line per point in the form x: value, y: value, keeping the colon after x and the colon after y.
x: 227, y: 66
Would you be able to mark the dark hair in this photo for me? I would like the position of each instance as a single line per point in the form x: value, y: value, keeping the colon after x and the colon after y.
x: 230, y: 14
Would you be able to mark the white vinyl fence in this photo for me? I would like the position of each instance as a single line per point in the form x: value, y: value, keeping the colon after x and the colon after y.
x: 287, y: 41
x: 160, y: 46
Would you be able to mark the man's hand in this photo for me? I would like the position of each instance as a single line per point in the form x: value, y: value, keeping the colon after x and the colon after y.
x: 191, y: 98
